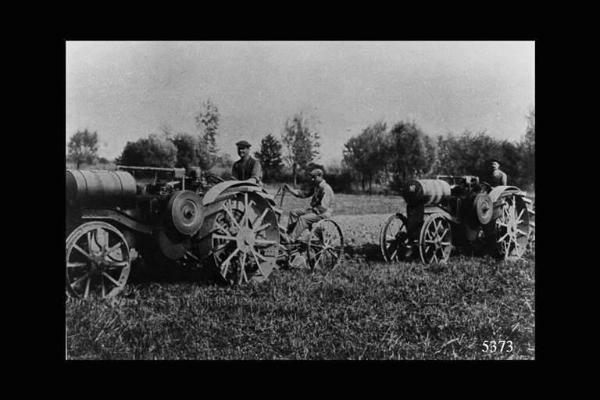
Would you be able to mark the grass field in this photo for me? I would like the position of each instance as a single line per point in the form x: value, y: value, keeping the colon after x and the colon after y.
x: 365, y: 309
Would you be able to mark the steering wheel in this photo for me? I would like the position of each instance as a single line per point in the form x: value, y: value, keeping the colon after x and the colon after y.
x: 214, y: 178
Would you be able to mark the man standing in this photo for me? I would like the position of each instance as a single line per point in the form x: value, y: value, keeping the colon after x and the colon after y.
x: 321, y: 205
x: 246, y: 167
x: 497, y: 177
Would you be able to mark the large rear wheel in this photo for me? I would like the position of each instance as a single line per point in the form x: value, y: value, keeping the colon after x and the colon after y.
x: 243, y: 239
x: 512, y: 227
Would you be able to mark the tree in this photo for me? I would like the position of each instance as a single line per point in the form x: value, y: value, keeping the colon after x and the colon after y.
x: 83, y: 147
x: 191, y: 151
x: 301, y: 142
x: 411, y: 152
x: 154, y: 151
x: 511, y: 157
x: 207, y: 122
x: 527, y: 147
x: 367, y: 153
x: 355, y: 156
x: 270, y: 157
x: 530, y: 132
x: 469, y: 154
x: 224, y: 161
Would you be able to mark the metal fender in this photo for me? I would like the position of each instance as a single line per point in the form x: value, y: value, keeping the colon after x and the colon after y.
x: 439, y: 210
x: 241, y: 186
x: 499, y: 190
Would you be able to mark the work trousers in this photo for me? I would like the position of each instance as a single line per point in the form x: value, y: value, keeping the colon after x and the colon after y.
x: 301, y: 219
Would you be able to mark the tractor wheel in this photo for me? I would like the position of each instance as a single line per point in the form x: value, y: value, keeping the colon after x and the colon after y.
x: 435, y: 240
x: 325, y: 245
x: 98, y: 261
x: 511, y: 227
x: 531, y: 241
x: 393, y: 238
x: 241, y: 238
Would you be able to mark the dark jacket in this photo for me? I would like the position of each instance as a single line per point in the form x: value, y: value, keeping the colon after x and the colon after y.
x: 246, y: 169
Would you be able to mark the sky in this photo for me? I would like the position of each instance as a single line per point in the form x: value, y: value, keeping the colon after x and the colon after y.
x: 128, y: 90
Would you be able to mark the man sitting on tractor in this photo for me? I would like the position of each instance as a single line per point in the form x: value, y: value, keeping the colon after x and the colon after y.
x: 246, y: 168
x: 496, y: 176
x: 321, y: 205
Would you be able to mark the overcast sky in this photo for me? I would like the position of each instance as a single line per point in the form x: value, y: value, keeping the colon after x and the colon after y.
x: 127, y: 90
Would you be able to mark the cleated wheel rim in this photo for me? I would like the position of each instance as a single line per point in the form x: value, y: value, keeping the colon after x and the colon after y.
x: 435, y: 241
x: 325, y: 246
x: 393, y: 238
x: 531, y: 240
x: 98, y: 261
x: 512, y: 230
x: 245, y: 239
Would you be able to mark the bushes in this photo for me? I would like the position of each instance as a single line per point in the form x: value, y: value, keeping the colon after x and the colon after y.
x: 154, y: 151
x: 341, y: 183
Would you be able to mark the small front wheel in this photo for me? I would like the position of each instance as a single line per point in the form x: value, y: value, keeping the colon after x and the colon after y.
x: 393, y: 238
x: 98, y: 261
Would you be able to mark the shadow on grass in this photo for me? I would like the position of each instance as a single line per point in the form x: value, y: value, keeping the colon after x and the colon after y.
x: 145, y: 273
x: 368, y: 251
x: 372, y: 252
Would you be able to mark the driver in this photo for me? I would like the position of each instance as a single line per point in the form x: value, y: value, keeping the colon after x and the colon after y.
x: 246, y: 167
x: 497, y: 177
x: 321, y: 205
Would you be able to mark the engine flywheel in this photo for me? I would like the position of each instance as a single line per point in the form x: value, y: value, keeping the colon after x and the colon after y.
x: 185, y: 212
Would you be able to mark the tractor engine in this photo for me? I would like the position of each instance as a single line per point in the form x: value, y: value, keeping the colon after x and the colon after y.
x: 168, y: 220
x: 461, y: 198
x: 175, y: 214
x: 420, y: 194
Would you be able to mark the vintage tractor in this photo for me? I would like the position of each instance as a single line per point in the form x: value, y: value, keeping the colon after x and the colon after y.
x: 164, y: 216
x: 452, y: 212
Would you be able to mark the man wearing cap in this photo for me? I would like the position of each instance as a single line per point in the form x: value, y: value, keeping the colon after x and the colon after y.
x: 321, y: 205
x: 497, y: 177
x: 246, y: 167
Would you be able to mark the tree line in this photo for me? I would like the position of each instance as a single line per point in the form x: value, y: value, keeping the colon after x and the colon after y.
x: 405, y: 152
x: 377, y: 155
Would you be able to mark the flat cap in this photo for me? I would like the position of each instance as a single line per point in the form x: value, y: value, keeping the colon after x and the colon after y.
x: 494, y: 160
x: 316, y: 172
x: 242, y: 143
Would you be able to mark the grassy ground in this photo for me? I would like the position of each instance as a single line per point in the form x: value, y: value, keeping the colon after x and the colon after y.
x: 366, y: 309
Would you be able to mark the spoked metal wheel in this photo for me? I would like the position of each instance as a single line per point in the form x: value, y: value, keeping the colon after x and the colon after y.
x: 512, y: 228
x: 393, y: 238
x: 325, y: 246
x: 98, y: 262
x: 245, y: 238
x: 435, y: 241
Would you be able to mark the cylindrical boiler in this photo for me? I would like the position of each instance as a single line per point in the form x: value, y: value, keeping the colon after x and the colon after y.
x: 426, y: 191
x: 96, y: 189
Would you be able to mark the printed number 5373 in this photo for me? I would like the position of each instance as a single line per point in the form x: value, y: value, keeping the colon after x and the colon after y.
x: 500, y: 346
